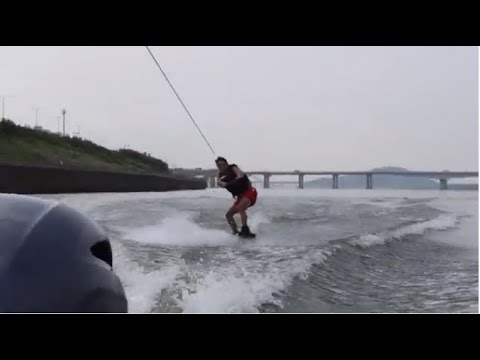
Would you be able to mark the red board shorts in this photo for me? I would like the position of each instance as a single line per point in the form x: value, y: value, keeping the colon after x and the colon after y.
x: 250, y: 194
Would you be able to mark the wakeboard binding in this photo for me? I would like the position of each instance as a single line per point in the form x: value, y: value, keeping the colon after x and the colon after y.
x: 246, y: 233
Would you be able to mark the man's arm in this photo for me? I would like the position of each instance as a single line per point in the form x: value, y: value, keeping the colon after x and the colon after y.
x: 220, y: 183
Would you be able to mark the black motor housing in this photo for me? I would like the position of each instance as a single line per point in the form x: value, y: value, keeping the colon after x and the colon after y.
x: 54, y: 259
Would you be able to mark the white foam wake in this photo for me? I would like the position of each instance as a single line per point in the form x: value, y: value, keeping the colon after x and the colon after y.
x: 236, y: 282
x: 443, y: 222
x: 179, y: 230
x: 141, y: 287
x: 258, y: 219
x: 235, y: 289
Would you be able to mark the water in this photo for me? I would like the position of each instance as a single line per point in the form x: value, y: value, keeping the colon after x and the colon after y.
x: 316, y: 251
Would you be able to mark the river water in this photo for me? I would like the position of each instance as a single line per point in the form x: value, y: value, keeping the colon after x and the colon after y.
x: 315, y: 251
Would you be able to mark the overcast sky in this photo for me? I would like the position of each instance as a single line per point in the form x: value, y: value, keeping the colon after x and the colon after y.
x: 264, y: 108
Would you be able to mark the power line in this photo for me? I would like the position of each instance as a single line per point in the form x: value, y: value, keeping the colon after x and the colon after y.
x: 181, y: 102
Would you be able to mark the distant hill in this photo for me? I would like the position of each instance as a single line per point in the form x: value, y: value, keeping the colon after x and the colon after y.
x: 22, y: 145
x: 386, y: 182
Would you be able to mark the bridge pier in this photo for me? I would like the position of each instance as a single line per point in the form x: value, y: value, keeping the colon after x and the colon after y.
x: 369, y: 181
x: 443, y: 184
x: 301, y: 181
x: 266, y: 181
x: 335, y: 181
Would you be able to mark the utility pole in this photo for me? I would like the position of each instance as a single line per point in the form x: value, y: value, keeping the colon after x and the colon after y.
x: 63, y: 113
x: 3, y: 105
x: 36, y: 116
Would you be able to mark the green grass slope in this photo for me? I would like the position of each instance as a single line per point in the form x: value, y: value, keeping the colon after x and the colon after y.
x: 26, y: 146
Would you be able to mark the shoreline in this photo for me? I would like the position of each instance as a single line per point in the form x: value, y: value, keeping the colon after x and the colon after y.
x: 29, y: 179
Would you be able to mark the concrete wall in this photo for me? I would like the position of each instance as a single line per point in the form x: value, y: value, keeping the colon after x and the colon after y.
x: 50, y: 180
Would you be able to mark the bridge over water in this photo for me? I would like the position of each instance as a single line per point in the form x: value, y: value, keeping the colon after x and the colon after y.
x: 210, y: 175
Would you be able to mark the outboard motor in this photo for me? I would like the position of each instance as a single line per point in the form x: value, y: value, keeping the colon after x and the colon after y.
x: 54, y: 259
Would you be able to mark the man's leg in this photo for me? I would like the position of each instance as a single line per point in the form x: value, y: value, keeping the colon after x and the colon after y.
x: 241, y: 208
x: 243, y: 217
x: 231, y: 221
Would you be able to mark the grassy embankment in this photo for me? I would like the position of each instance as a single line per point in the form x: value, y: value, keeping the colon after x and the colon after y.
x: 26, y: 146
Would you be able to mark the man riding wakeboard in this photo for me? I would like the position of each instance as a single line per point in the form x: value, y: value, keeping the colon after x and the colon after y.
x: 238, y: 184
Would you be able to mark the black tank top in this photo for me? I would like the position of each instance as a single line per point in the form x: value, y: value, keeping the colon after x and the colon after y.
x: 240, y: 186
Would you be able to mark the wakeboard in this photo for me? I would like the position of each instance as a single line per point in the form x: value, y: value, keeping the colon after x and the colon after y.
x: 249, y: 236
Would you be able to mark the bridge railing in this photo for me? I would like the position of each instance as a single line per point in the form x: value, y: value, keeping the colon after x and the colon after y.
x: 443, y: 176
